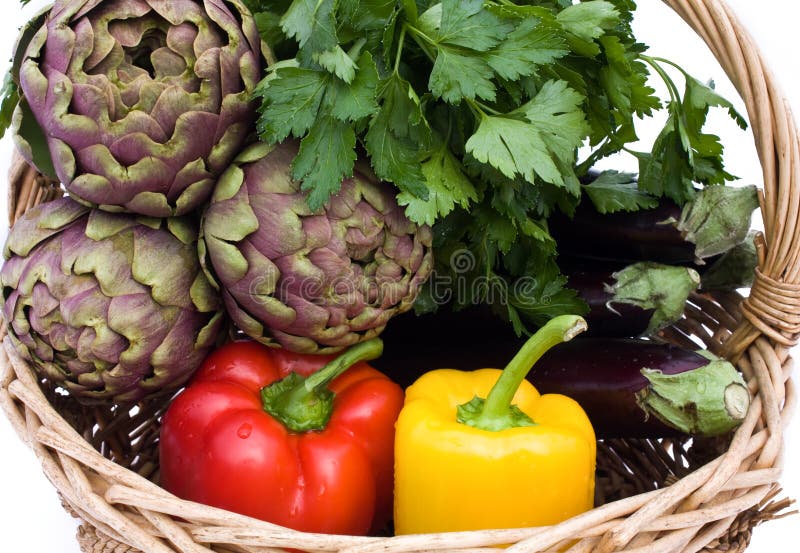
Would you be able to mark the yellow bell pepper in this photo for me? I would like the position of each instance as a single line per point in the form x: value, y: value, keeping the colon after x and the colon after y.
x: 516, y: 459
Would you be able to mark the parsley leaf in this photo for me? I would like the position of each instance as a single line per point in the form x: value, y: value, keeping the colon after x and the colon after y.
x: 395, y: 159
x: 513, y: 147
x: 312, y: 23
x: 556, y: 111
x: 9, y: 98
x: 533, y: 300
x: 456, y: 76
x: 587, y: 21
x: 328, y: 149
x: 461, y: 32
x: 337, y: 61
x: 699, y: 97
x: 683, y: 154
x: 542, y: 146
x: 355, y: 101
x: 447, y: 186
x: 528, y: 46
x: 612, y: 191
x: 398, y: 136
x: 291, y: 97
x: 324, y: 110
x: 463, y: 23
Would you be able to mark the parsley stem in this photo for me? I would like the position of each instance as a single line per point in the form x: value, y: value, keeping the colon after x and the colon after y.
x: 355, y: 51
x: 674, y: 94
x: 479, y: 109
x: 400, y: 43
x: 488, y: 109
x: 475, y: 108
x: 423, y: 40
x: 666, y: 62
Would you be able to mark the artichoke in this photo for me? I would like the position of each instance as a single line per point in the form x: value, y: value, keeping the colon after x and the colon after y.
x: 108, y: 306
x: 141, y: 103
x: 312, y: 282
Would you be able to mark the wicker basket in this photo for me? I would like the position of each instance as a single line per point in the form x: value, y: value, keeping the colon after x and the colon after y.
x: 654, y: 496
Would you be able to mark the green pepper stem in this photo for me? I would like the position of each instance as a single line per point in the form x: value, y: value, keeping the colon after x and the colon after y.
x: 365, y: 351
x: 304, y: 404
x: 497, y: 411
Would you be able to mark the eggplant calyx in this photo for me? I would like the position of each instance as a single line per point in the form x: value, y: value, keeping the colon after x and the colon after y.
x: 718, y: 218
x: 648, y: 285
x: 708, y: 401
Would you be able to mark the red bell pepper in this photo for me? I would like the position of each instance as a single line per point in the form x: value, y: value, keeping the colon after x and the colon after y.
x: 292, y: 439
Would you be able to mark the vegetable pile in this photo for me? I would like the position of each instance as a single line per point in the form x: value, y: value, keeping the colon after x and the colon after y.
x: 259, y: 190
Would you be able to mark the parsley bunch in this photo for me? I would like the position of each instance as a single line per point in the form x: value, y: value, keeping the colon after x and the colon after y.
x: 475, y: 110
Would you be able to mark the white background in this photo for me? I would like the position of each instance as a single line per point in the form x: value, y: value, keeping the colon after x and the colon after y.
x: 31, y: 519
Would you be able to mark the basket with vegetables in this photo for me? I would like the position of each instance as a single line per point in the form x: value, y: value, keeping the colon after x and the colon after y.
x: 267, y: 259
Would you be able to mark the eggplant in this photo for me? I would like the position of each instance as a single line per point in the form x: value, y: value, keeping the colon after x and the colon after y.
x: 716, y: 220
x: 626, y: 236
x: 633, y: 388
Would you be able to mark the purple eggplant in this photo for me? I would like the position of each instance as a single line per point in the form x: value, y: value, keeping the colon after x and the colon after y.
x: 717, y: 219
x: 627, y: 236
x: 632, y: 388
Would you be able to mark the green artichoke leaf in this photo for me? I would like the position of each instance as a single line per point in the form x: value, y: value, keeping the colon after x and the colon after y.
x: 204, y: 296
x: 229, y: 184
x: 160, y: 262
x: 102, y: 225
x: 250, y: 154
x: 151, y: 202
x: 142, y: 323
x: 183, y: 229
x: 109, y: 262
x: 231, y: 259
x: 45, y: 221
x: 208, y: 335
x: 241, y: 221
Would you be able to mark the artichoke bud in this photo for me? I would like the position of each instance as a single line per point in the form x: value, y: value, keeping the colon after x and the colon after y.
x: 111, y: 307
x: 313, y: 282
x: 138, y: 105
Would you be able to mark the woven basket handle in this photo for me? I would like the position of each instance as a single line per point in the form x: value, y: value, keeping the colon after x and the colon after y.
x: 27, y: 188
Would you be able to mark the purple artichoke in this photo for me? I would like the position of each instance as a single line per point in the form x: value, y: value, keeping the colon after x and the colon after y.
x: 143, y: 103
x: 313, y: 282
x: 109, y: 306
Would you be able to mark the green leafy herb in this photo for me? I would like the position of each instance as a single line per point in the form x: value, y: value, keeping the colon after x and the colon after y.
x: 682, y: 154
x: 476, y: 110
x: 612, y: 191
x: 9, y: 98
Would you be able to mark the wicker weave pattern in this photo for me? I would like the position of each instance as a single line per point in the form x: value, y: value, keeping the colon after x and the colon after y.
x: 658, y: 497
